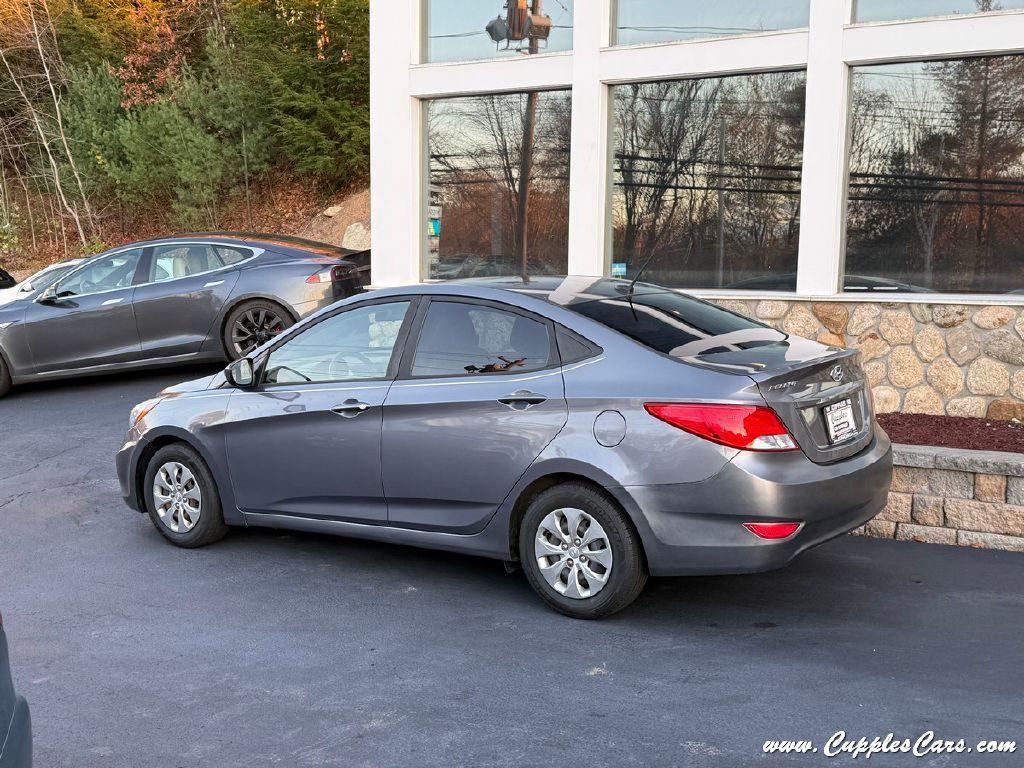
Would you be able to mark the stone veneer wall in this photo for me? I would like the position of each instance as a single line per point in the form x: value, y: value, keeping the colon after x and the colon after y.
x: 937, y: 359
x: 948, y: 496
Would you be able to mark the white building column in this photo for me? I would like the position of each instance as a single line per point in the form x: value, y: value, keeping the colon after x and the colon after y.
x: 396, y: 151
x: 589, y: 224
x: 823, y: 185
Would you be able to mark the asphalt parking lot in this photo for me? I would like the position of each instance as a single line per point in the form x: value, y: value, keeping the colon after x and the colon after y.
x: 273, y: 649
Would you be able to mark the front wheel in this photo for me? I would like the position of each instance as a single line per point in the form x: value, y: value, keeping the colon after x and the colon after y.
x: 251, y: 324
x: 182, y: 499
x: 580, y: 553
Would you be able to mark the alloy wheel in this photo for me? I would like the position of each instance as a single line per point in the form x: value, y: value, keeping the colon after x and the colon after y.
x: 253, y: 328
x: 177, y: 497
x: 573, y: 553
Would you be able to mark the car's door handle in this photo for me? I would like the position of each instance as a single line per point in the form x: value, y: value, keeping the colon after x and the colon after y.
x: 521, y: 399
x: 213, y: 284
x: 350, y: 408
x: 112, y: 302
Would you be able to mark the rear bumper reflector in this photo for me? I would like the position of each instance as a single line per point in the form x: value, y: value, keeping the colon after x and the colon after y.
x: 773, y: 531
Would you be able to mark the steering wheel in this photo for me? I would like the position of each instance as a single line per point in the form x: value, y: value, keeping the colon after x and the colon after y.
x: 341, y: 359
x: 275, y: 373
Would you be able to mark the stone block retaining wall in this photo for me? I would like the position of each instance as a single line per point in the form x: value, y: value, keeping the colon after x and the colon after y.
x: 950, y: 359
x: 950, y: 496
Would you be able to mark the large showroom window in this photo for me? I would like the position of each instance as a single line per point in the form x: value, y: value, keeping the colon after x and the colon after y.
x: 658, y: 21
x: 892, y: 10
x: 498, y: 196
x: 706, y: 184
x: 936, y: 190
x: 457, y: 30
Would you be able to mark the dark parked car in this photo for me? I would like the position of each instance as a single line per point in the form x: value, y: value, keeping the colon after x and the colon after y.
x: 6, y: 281
x: 188, y: 298
x: 15, y: 720
x: 595, y: 431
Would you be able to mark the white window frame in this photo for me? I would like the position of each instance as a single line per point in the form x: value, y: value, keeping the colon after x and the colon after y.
x: 827, y: 49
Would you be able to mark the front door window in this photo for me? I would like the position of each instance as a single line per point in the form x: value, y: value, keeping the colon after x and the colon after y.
x: 105, y: 274
x: 353, y: 345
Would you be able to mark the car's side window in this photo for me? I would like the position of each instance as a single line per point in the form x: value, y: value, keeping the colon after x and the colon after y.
x: 460, y: 339
x: 184, y: 260
x: 229, y: 255
x: 105, y: 274
x: 355, y: 344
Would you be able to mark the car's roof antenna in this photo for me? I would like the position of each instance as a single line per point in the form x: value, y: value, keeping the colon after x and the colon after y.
x: 641, y: 271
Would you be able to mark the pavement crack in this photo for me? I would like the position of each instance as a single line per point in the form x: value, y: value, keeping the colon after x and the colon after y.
x: 39, y: 463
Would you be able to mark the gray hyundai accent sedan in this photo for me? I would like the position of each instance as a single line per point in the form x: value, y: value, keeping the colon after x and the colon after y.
x: 15, y: 719
x: 594, y: 430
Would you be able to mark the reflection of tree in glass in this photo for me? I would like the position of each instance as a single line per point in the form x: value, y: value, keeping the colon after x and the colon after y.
x: 476, y: 146
x: 936, y: 173
x: 707, y: 176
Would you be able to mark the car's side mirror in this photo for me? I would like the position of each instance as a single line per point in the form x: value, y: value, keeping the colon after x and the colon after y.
x: 49, y: 296
x: 240, y: 373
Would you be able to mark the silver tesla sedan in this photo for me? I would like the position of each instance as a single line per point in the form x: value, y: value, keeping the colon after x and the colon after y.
x: 596, y: 431
x: 168, y: 301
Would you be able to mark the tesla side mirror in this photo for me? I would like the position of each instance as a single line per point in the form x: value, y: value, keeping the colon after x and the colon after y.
x: 49, y: 296
x: 240, y: 373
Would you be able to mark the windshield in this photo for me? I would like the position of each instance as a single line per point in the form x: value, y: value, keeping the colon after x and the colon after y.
x: 678, y: 325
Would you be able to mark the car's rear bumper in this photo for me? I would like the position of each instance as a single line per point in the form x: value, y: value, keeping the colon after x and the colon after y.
x: 696, y: 528
x: 16, y: 751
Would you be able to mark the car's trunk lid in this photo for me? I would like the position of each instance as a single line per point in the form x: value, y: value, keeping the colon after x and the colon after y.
x: 799, y: 379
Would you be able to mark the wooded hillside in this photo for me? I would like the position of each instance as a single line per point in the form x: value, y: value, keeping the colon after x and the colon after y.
x: 128, y: 118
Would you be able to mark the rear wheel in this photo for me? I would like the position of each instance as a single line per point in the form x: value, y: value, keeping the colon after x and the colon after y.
x: 251, y: 324
x: 580, y: 553
x: 182, y: 499
x: 5, y: 377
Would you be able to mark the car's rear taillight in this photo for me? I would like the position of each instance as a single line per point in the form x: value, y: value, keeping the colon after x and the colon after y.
x: 334, y: 274
x: 748, y: 427
x: 774, y: 531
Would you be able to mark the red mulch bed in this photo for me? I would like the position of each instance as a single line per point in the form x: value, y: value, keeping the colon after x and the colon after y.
x: 954, y: 432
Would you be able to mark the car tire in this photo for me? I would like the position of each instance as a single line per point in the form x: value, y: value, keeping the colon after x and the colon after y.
x: 260, y: 318
x: 5, y: 377
x: 183, y: 479
x: 611, y: 550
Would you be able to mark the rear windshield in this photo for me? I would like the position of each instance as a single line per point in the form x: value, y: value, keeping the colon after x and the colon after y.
x: 677, y: 325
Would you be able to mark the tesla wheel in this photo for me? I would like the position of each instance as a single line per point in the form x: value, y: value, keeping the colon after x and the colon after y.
x: 182, y: 499
x: 579, y: 552
x: 251, y: 324
x: 5, y: 377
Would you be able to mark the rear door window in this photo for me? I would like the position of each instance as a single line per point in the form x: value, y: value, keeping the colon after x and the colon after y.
x: 460, y: 339
x: 675, y: 324
x: 173, y: 261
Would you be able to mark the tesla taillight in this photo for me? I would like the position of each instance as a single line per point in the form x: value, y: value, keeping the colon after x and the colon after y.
x: 333, y: 274
x: 774, y: 531
x: 748, y: 427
